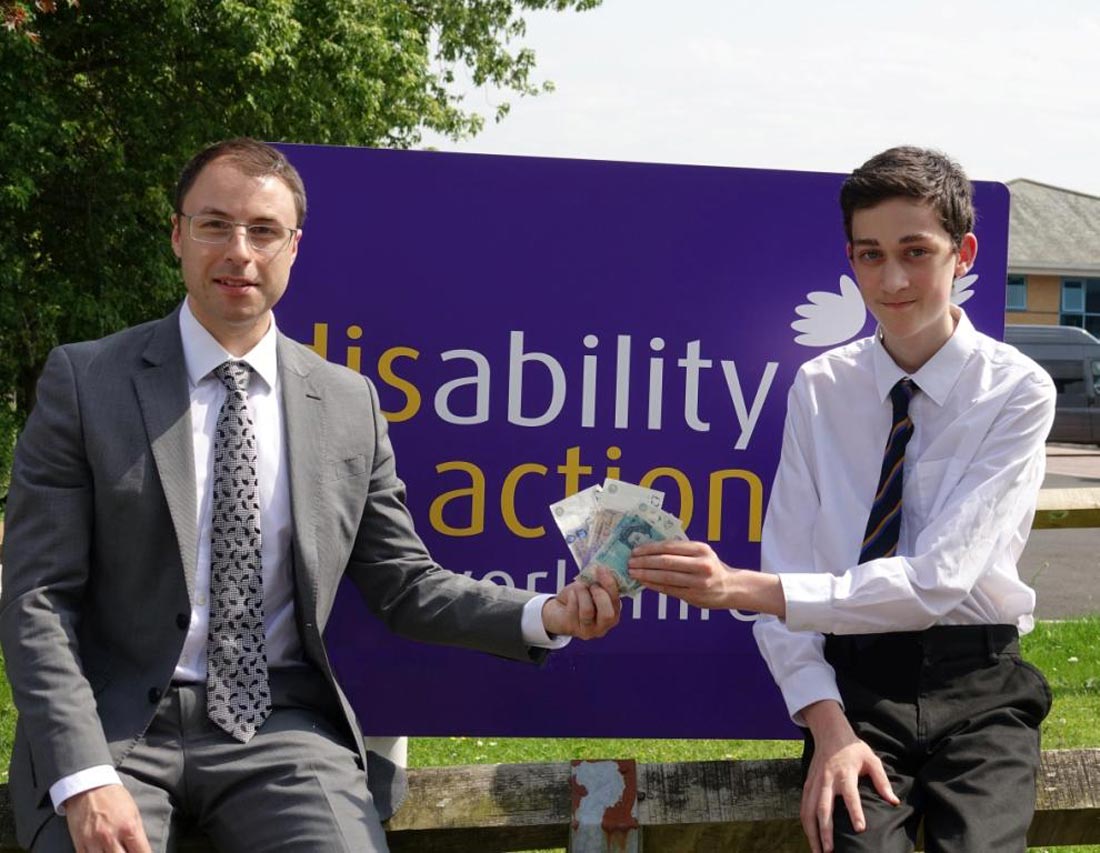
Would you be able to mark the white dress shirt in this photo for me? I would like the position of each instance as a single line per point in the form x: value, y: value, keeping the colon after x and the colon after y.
x: 202, y: 354
x: 972, y: 470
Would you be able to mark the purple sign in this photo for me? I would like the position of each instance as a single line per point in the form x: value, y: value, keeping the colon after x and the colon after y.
x: 537, y: 325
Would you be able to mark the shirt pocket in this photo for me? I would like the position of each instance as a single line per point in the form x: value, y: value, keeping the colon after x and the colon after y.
x: 930, y: 483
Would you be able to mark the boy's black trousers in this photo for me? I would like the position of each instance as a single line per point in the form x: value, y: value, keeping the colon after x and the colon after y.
x: 953, y: 712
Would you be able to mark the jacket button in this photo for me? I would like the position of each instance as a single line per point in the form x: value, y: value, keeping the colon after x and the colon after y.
x: 183, y: 621
x: 154, y: 694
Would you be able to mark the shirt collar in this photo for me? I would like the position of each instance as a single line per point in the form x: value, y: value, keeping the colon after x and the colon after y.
x: 939, y: 374
x: 201, y: 353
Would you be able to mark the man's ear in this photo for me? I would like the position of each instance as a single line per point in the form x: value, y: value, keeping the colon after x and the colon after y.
x: 176, y: 238
x: 851, y: 257
x: 293, y: 248
x: 967, y: 254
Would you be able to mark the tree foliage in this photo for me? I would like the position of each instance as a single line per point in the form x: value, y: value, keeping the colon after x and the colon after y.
x: 104, y: 101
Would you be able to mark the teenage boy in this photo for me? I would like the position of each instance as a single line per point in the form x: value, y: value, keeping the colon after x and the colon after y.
x: 890, y: 574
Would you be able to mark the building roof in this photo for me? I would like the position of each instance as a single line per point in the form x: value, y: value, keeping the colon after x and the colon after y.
x: 1053, y: 230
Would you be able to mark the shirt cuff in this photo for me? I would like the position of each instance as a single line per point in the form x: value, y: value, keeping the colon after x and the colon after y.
x: 534, y: 634
x: 809, y: 599
x: 79, y: 782
x: 806, y: 687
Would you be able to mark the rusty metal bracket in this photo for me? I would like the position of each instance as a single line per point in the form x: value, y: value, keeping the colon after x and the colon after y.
x: 605, y: 807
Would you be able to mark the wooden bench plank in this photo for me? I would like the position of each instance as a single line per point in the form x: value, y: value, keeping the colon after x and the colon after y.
x: 685, y: 806
x: 1066, y: 508
x: 748, y: 806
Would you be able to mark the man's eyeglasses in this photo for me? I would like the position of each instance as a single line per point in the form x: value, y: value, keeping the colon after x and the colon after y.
x: 265, y: 238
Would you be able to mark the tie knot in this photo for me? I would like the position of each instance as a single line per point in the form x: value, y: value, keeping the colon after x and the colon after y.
x: 234, y: 375
x: 900, y: 395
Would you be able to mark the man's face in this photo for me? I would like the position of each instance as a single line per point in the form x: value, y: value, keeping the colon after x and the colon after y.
x: 905, y: 264
x: 231, y: 287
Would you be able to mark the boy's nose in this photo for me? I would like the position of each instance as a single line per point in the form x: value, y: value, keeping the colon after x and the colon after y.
x: 894, y: 278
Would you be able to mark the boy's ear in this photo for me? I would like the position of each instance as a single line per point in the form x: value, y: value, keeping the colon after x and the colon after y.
x: 848, y: 252
x: 967, y: 254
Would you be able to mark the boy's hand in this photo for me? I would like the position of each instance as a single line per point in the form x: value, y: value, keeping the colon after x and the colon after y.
x: 840, y: 759
x: 584, y: 611
x: 692, y: 572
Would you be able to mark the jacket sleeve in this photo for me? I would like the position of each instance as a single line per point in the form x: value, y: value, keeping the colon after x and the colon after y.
x: 46, y: 564
x: 408, y: 590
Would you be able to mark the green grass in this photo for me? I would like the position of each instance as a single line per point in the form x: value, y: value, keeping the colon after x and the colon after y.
x: 1067, y: 652
x: 7, y: 721
x: 442, y: 751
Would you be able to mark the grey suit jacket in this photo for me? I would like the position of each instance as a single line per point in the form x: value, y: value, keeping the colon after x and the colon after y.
x: 100, y: 545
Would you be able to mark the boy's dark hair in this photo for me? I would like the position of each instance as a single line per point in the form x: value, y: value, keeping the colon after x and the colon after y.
x: 253, y: 158
x: 917, y: 173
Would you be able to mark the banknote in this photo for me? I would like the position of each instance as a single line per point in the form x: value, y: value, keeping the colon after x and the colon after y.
x: 637, y: 526
x: 574, y: 516
x: 615, y: 500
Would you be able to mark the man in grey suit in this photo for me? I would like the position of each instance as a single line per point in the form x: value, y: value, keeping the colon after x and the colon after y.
x: 185, y: 498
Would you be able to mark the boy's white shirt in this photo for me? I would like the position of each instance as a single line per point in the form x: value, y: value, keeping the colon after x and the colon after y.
x: 972, y: 470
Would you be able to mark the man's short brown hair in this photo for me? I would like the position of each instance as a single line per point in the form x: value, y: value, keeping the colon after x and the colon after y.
x: 253, y: 158
x: 922, y: 174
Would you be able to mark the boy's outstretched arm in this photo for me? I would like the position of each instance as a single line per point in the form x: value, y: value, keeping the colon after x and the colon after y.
x: 692, y: 572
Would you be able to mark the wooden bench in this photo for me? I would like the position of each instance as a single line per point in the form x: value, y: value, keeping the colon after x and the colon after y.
x: 682, y: 807
x: 685, y: 807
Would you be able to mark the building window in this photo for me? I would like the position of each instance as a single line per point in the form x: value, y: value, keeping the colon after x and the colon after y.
x: 1081, y: 303
x: 1073, y: 296
x: 1016, y: 293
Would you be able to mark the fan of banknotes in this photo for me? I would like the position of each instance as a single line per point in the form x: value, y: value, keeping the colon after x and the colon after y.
x: 603, y: 524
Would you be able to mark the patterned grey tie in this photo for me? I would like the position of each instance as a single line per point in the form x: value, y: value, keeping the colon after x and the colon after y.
x: 238, y: 698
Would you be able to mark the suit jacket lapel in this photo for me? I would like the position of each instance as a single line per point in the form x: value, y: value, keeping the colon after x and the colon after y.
x: 162, y: 391
x: 305, y: 442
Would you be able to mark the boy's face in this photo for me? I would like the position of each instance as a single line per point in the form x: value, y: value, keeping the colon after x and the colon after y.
x: 905, y: 264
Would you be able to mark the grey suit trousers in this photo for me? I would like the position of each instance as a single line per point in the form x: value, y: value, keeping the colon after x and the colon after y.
x: 298, y: 785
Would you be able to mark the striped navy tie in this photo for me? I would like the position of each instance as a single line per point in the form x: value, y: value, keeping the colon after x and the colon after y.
x: 884, y: 522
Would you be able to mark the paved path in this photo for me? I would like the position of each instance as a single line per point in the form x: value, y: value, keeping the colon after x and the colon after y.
x: 1064, y: 565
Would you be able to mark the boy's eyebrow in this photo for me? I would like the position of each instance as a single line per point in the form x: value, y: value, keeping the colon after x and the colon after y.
x: 919, y: 237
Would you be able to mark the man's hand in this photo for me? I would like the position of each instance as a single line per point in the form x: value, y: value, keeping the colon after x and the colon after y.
x: 584, y: 611
x: 840, y: 759
x: 692, y: 572
x: 105, y: 820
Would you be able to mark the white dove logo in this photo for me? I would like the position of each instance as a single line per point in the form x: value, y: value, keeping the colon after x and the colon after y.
x: 829, y: 319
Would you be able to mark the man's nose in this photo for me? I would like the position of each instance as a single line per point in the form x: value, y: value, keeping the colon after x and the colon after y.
x: 238, y: 246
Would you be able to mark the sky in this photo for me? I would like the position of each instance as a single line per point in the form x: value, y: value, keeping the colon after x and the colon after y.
x: 1010, y: 89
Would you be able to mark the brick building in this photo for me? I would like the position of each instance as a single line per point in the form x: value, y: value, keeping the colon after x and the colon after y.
x: 1053, y: 256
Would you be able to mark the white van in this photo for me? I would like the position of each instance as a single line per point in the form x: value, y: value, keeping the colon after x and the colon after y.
x: 1072, y: 358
